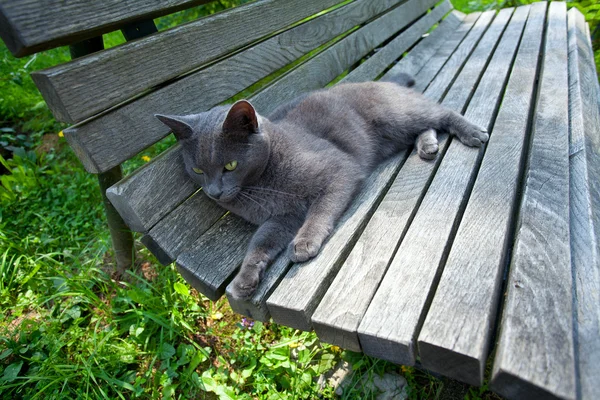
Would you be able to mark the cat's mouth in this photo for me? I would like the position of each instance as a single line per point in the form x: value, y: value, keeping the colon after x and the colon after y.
x: 226, y: 197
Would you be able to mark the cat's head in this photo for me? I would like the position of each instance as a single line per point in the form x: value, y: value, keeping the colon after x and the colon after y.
x: 224, y: 149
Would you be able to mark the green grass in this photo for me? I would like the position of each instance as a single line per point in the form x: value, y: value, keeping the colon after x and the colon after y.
x: 69, y: 329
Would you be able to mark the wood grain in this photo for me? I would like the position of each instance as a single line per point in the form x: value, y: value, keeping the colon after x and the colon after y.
x: 30, y: 26
x: 371, y: 68
x: 212, y: 260
x: 584, y: 199
x: 161, y: 185
x: 339, y: 313
x: 535, y: 354
x: 391, y: 322
x: 177, y: 231
x: 298, y: 294
x: 443, y: 38
x: 141, y: 203
x: 256, y: 306
x: 82, y: 88
x: 455, y: 337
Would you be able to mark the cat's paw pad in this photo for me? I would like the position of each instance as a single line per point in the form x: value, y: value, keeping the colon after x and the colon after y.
x: 428, y: 151
x: 303, y: 249
x: 475, y: 136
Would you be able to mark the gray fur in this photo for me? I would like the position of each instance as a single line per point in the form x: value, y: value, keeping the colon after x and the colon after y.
x: 299, y: 169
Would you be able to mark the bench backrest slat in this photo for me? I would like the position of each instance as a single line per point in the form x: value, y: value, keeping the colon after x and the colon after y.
x: 165, y: 183
x: 30, y: 26
x: 120, y: 73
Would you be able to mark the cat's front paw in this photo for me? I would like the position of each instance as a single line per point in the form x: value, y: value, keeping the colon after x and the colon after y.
x: 302, y: 249
x: 246, y: 282
x: 474, y: 136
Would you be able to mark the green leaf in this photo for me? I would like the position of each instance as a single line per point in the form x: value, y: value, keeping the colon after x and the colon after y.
x: 5, y: 353
x: 11, y: 372
x: 166, y: 351
x: 181, y: 289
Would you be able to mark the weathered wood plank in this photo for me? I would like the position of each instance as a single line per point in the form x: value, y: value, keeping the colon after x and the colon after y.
x: 298, y: 294
x: 256, y: 306
x: 161, y: 185
x: 458, y: 329
x: 412, y: 63
x: 142, y: 202
x: 216, y: 255
x: 178, y: 231
x: 30, y: 26
x: 585, y: 201
x: 296, y: 298
x: 117, y: 74
x: 535, y: 354
x: 393, y: 317
x: 371, y: 68
x: 339, y: 313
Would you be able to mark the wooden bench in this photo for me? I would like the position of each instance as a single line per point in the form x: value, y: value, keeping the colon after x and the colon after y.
x: 481, y: 255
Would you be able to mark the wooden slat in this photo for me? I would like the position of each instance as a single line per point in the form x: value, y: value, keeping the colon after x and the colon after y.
x: 454, y: 340
x: 315, y: 74
x: 340, y: 311
x: 209, y: 268
x: 30, y: 26
x: 371, y: 68
x: 82, y: 88
x: 157, y: 188
x: 394, y: 315
x: 535, y: 354
x: 297, y: 296
x: 179, y: 230
x: 585, y: 201
x: 441, y: 37
x: 256, y: 307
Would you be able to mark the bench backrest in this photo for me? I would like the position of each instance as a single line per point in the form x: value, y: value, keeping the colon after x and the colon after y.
x: 268, y: 50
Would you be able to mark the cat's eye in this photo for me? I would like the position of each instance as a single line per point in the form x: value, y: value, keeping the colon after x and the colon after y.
x: 198, y: 171
x: 231, y: 165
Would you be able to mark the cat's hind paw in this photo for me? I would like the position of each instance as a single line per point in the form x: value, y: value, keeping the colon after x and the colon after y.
x: 302, y: 249
x: 427, y: 144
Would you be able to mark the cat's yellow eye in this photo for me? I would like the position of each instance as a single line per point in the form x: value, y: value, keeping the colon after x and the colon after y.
x: 198, y: 171
x: 231, y: 165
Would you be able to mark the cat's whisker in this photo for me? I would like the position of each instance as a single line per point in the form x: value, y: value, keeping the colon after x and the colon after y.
x: 246, y: 195
x: 269, y: 190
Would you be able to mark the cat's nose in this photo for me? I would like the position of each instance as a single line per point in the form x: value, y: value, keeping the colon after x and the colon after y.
x: 214, y: 193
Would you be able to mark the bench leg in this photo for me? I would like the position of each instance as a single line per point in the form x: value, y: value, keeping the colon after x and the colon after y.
x: 121, y: 235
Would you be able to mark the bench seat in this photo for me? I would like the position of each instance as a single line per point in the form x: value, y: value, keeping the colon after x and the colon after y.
x: 437, y: 263
x: 483, y: 256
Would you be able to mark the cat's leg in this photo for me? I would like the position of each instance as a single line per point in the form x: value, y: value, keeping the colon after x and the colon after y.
x: 427, y: 144
x: 267, y: 242
x: 468, y: 133
x: 321, y: 218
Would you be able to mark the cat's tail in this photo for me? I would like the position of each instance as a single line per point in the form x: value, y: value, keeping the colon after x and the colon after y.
x: 402, y: 79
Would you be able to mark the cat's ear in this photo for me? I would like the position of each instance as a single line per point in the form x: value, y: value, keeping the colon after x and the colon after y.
x: 181, y: 125
x: 241, y: 119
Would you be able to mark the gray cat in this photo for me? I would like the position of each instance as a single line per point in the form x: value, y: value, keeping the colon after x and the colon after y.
x: 295, y: 173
